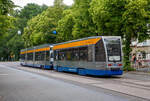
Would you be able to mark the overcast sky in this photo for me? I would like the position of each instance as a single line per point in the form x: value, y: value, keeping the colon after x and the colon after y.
x: 39, y: 2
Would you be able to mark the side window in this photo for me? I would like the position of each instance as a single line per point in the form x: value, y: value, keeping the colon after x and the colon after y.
x: 75, y: 54
x: 59, y: 55
x: 62, y: 54
x: 22, y: 56
x: 83, y: 56
x: 47, y: 55
x: 37, y: 56
x: 42, y: 54
x: 68, y: 54
x: 55, y: 55
x: 29, y: 56
x: 90, y: 53
x: 100, y: 52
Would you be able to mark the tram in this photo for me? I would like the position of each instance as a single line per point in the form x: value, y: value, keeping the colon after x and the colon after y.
x: 98, y: 55
x: 38, y: 56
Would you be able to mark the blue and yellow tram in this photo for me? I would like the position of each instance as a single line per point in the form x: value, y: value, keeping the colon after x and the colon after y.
x: 99, y: 55
x: 38, y: 56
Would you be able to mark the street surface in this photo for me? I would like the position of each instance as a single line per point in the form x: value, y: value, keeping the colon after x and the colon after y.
x: 19, y: 83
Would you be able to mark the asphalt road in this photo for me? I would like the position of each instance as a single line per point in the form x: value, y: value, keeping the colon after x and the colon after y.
x: 29, y: 84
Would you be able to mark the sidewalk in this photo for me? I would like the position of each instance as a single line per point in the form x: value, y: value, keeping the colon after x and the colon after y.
x: 145, y: 70
x: 139, y: 72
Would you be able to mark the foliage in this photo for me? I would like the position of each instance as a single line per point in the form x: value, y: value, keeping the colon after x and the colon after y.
x: 39, y: 29
x: 84, y: 25
x: 126, y: 18
x: 12, y: 21
x: 135, y: 21
x: 65, y: 26
x: 6, y: 7
x: 27, y: 13
x: 107, y: 15
x: 129, y: 19
x: 76, y: 22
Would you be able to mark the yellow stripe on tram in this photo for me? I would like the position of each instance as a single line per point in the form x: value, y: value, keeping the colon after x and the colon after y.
x: 77, y: 43
x: 36, y: 50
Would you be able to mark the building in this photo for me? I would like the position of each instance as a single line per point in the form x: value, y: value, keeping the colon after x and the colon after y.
x: 142, y: 52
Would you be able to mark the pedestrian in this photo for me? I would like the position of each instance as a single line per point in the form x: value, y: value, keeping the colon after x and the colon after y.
x: 139, y: 61
x: 134, y: 61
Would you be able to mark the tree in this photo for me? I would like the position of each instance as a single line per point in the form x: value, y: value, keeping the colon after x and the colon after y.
x: 84, y: 25
x: 13, y: 21
x: 39, y: 29
x: 6, y: 7
x: 28, y: 12
x: 65, y: 26
x: 126, y: 18
x: 135, y: 19
x: 107, y: 15
x: 76, y: 22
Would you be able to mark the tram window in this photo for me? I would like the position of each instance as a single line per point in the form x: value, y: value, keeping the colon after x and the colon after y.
x: 62, y: 55
x: 68, y: 54
x: 90, y: 53
x: 100, y: 52
x: 113, y: 49
x: 42, y: 54
x: 59, y: 55
x: 37, y: 56
x: 56, y: 55
x: 29, y: 56
x: 75, y: 54
x: 83, y: 53
x: 22, y: 56
x: 47, y: 55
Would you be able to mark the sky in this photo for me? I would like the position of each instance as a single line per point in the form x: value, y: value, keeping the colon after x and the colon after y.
x: 39, y: 2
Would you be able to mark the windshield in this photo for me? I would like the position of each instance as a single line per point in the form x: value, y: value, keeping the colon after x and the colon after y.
x: 113, y: 47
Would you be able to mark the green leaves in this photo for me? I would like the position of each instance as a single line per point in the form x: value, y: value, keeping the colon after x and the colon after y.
x: 126, y: 18
x: 39, y: 29
x: 6, y: 7
x: 135, y: 20
x: 65, y: 26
